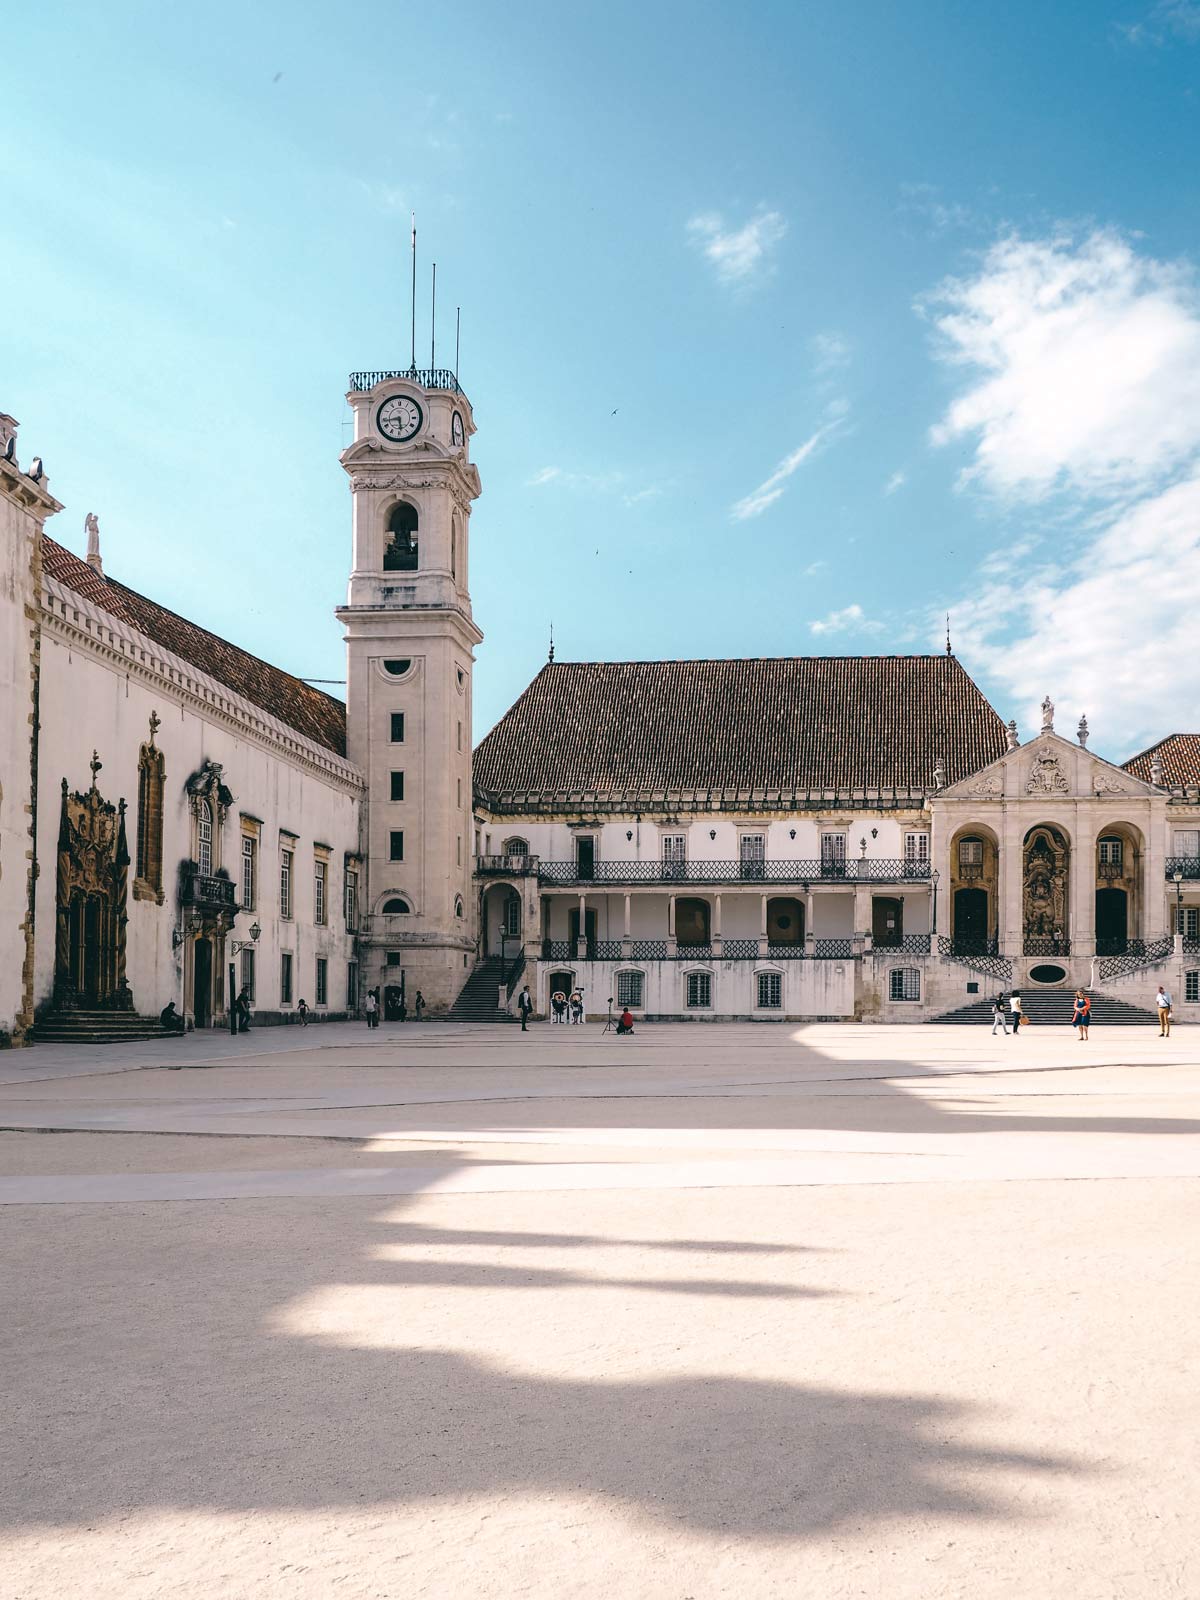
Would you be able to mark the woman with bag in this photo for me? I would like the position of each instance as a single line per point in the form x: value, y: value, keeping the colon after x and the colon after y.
x: 1018, y: 1016
x: 1083, y: 1012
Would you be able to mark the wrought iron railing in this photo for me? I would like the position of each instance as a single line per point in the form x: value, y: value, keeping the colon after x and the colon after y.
x: 913, y: 944
x: 833, y: 949
x: 865, y: 870
x: 693, y: 952
x: 1052, y: 948
x: 1191, y: 947
x: 648, y: 949
x: 427, y: 377
x: 1120, y: 947
x: 206, y: 890
x: 608, y: 950
x: 740, y: 949
x: 1152, y: 952
x: 558, y: 950
x: 979, y: 955
x: 513, y: 976
x: 786, y: 952
x: 1186, y: 866
x: 512, y: 866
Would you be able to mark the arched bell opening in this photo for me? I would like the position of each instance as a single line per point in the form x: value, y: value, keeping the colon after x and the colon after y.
x: 400, y: 544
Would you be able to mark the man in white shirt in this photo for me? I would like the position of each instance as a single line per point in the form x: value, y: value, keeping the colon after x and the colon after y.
x: 1163, y: 1001
x: 1014, y: 1005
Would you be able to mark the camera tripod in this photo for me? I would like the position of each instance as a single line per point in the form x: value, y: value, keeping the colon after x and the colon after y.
x: 608, y: 1026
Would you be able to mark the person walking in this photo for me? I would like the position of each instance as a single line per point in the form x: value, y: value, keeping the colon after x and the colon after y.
x: 402, y: 1008
x: 243, y: 1011
x: 371, y: 1008
x: 302, y: 1013
x: 419, y: 1005
x: 1163, y: 1001
x: 1082, y: 1014
x: 1018, y: 1015
x: 999, y: 1017
x: 524, y: 1006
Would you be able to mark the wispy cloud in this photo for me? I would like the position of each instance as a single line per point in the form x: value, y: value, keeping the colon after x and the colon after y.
x: 924, y: 203
x: 639, y: 496
x: 593, y: 483
x: 738, y: 254
x: 850, y: 619
x: 896, y: 481
x: 1081, y: 361
x: 831, y: 352
x: 814, y: 569
x: 1168, y: 19
x: 772, y: 488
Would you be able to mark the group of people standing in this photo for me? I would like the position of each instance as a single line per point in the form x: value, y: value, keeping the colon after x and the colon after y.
x: 373, y: 1007
x: 567, y: 1008
x: 1009, y: 1008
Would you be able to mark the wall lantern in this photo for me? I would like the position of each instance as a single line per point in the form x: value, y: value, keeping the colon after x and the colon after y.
x: 712, y: 833
x: 791, y: 833
x: 629, y: 833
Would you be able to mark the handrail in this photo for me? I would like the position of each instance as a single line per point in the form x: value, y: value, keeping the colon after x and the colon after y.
x: 774, y: 870
x: 427, y: 377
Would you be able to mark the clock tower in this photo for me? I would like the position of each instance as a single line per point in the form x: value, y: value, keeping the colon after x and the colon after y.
x: 410, y: 643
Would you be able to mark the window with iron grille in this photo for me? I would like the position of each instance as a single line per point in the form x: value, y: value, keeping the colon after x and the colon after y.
x: 1189, y: 922
x: 770, y: 991
x: 699, y: 991
x: 248, y: 972
x: 285, y: 978
x: 906, y: 983
x: 249, y: 871
x: 322, y: 981
x: 285, y: 883
x: 1191, y: 986
x: 631, y: 988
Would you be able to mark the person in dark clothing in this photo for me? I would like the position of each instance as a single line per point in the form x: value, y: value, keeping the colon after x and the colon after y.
x: 525, y: 1006
x: 171, y: 1021
x: 302, y: 1013
x: 243, y: 1011
x: 418, y: 1005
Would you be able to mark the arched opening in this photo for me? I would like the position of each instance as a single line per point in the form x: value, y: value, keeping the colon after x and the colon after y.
x: 518, y: 849
x: 785, y: 920
x: 974, y: 890
x: 692, y: 922
x: 887, y: 921
x: 1118, y: 888
x: 502, y: 920
x: 400, y: 544
x: 1046, y: 883
x: 396, y: 907
x: 561, y: 984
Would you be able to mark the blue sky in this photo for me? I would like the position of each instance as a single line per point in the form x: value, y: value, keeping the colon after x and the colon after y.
x: 787, y: 327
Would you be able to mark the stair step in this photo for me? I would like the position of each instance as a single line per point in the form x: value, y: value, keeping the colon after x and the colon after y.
x: 1055, y: 1010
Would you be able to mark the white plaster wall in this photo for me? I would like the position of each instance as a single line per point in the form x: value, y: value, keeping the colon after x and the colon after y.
x: 18, y: 532
x: 88, y: 702
x: 810, y: 988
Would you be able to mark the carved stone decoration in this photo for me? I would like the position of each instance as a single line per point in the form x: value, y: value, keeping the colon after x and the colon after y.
x: 1047, y: 777
x: 91, y: 917
x: 1047, y: 715
x: 1103, y: 783
x: 1044, y: 897
x: 989, y: 788
x: 207, y: 783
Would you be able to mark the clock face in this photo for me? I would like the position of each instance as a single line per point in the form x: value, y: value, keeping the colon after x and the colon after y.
x: 399, y: 418
x: 457, y: 433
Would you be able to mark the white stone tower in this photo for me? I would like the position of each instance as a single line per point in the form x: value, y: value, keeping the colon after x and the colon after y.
x: 410, y: 644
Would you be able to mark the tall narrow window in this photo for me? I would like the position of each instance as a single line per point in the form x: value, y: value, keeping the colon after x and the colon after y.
x: 460, y: 736
x: 248, y: 973
x: 351, y: 985
x: 351, y: 898
x: 460, y: 794
x: 322, y: 981
x: 320, y: 881
x: 1191, y: 986
x: 1111, y: 852
x: 752, y: 854
x: 285, y: 883
x: 397, y: 789
x: 454, y: 548
x: 396, y: 852
x: 285, y: 978
x: 916, y: 849
x: 770, y: 991
x: 833, y: 855
x: 674, y: 855
x: 400, y: 544
x: 204, y: 838
x: 151, y: 774
x: 249, y: 871
x: 397, y: 727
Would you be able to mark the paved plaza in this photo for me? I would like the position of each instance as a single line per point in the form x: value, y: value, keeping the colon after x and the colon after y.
x: 754, y: 1311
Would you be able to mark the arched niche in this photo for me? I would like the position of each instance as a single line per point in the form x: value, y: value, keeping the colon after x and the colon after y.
x: 400, y: 542
x: 1120, y: 893
x: 1046, y: 891
x: 974, y: 887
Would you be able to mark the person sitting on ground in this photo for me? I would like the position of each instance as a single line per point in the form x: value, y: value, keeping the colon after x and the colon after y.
x: 625, y: 1021
x: 171, y: 1021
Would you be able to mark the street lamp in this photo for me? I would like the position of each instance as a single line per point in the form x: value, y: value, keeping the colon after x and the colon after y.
x: 236, y: 946
x: 935, y: 878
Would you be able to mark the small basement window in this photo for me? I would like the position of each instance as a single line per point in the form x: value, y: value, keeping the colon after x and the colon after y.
x: 906, y: 983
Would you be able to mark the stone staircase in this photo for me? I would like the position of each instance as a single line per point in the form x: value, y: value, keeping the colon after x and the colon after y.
x: 1054, y: 1009
x: 477, y: 1000
x: 95, y: 1027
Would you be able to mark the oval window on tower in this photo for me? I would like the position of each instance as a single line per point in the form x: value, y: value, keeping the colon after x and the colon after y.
x: 397, y: 668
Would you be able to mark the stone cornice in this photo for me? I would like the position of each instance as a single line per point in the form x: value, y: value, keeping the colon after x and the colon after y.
x: 83, y: 625
x: 30, y: 494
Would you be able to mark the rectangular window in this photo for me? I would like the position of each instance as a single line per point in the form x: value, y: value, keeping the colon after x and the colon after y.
x: 396, y: 847
x: 906, y: 983
x: 1110, y: 852
x: 458, y: 849
x: 1189, y: 922
x: 322, y: 981
x: 1191, y: 986
x: 320, y: 875
x: 460, y: 736
x: 970, y: 852
x: 204, y: 839
x: 916, y: 847
x: 248, y: 972
x: 393, y: 958
x: 770, y: 991
x: 833, y: 855
x: 512, y: 914
x: 630, y: 989
x: 249, y: 871
x: 397, y: 786
x: 352, y: 986
x: 351, y: 898
x: 585, y: 856
x: 285, y: 978
x: 460, y: 794
x: 752, y: 854
x: 674, y: 855
x: 699, y: 991
x: 397, y: 727
x: 285, y: 883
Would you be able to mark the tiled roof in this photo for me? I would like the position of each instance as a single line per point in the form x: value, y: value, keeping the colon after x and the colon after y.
x: 317, y: 716
x: 1180, y: 757
x: 791, y: 723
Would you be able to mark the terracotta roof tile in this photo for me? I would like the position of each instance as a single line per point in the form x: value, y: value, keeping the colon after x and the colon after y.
x: 1180, y: 757
x: 804, y: 722
x: 310, y: 712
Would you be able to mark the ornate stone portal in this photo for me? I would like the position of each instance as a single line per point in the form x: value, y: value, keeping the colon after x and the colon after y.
x: 1044, y: 901
x: 93, y: 868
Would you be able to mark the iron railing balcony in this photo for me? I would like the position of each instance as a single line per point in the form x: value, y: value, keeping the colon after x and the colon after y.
x: 427, y: 377
x: 1048, y: 947
x: 1186, y: 866
x: 913, y: 944
x: 206, y: 891
x: 673, y: 873
x: 732, y: 950
x: 510, y: 866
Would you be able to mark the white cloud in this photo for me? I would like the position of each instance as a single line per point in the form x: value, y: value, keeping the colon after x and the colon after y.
x: 924, y: 202
x: 896, y: 481
x: 651, y: 492
x: 1087, y: 366
x: 1180, y: 18
x: 544, y: 476
x: 771, y: 489
x: 850, y: 619
x: 1082, y: 366
x: 739, y: 255
x: 831, y: 352
x: 814, y: 569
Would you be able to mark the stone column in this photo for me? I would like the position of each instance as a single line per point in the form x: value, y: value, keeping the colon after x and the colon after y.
x: 1082, y: 931
x: 581, y: 941
x: 626, y: 939
x: 671, y: 925
x: 762, y: 931
x: 1011, y: 888
x: 862, y: 917
x: 717, y: 940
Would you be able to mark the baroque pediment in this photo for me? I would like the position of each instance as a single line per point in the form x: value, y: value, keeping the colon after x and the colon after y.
x: 1047, y: 768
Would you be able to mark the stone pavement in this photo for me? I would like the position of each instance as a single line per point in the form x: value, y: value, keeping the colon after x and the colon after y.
x: 738, y: 1310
